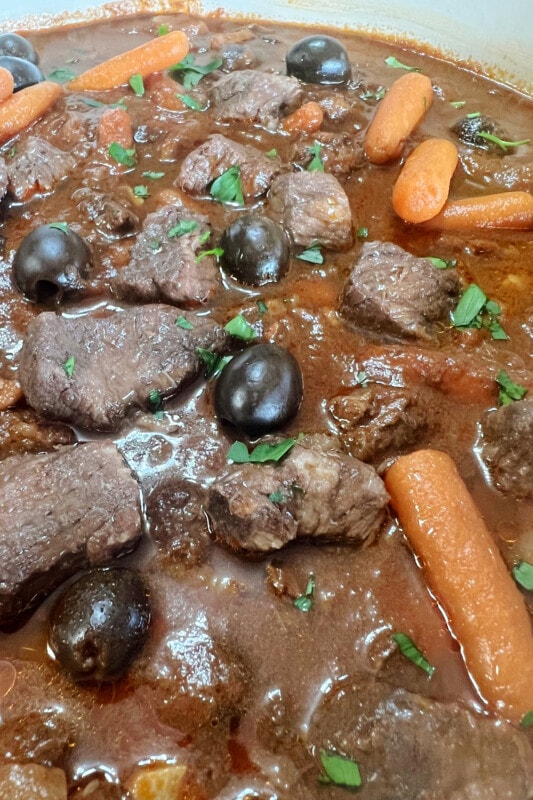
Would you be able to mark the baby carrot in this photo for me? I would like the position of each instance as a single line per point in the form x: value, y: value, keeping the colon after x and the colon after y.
x: 24, y: 107
x: 512, y: 210
x: 423, y: 184
x: 115, y: 126
x: 397, y: 115
x: 468, y: 576
x: 306, y: 119
x: 7, y: 84
x: 152, y: 56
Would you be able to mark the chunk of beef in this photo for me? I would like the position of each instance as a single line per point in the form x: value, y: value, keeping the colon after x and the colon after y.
x: 374, y: 420
x: 4, y: 178
x: 256, y: 97
x: 118, y: 360
x: 455, y: 754
x: 393, y: 293
x: 236, y: 56
x: 508, y: 433
x: 313, y: 207
x: 22, y: 431
x: 340, y: 152
x: 316, y: 491
x: 113, y: 216
x: 61, y: 512
x: 194, y: 678
x: 163, y: 264
x: 37, y: 167
x: 178, y: 141
x: 21, y: 781
x: 216, y: 155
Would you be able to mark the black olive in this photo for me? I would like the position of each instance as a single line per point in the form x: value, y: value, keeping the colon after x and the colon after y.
x: 51, y: 262
x: 24, y: 72
x: 260, y: 389
x: 468, y: 128
x: 11, y: 44
x: 256, y: 250
x: 319, y: 59
x: 100, y: 623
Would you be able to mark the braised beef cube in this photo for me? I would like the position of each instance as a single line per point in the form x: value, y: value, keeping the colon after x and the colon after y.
x: 508, y: 433
x: 180, y: 138
x: 236, y: 56
x: 37, y: 167
x: 116, y: 362
x: 163, y: 264
x: 340, y: 152
x: 113, y: 215
x: 218, y: 154
x: 61, y: 512
x: 316, y: 492
x: 393, y: 293
x: 255, y: 97
x: 313, y: 207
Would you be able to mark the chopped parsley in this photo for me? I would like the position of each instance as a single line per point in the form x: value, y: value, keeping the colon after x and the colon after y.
x: 474, y: 310
x: 162, y: 30
x: 473, y: 115
x: 272, y: 153
x: 240, y: 328
x: 392, y: 61
x: 277, y: 497
x: 527, y: 720
x: 339, y: 770
x: 155, y: 402
x: 181, y: 322
x: 239, y: 454
x: 227, y: 188
x: 509, y: 390
x: 523, y: 574
x: 137, y: 84
x: 122, y: 155
x: 305, y: 601
x: 457, y: 103
x: 90, y: 101
x: 411, y: 651
x: 155, y: 245
x: 505, y: 145
x: 154, y: 176
x: 377, y: 94
x: 141, y: 190
x: 184, y: 226
x: 362, y: 233
x: 215, y: 251
x: 214, y: 363
x: 61, y: 75
x: 316, y: 164
x: 192, y: 73
x: 68, y: 366
x: 361, y: 379
x: 313, y: 254
x: 190, y: 102
x: 262, y: 307
x: 204, y: 237
x: 61, y: 226
x: 442, y: 263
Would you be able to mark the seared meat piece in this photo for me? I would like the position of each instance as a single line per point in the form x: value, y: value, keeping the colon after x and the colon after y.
x: 216, y: 155
x: 21, y: 431
x: 393, y: 293
x: 313, y: 207
x: 236, y: 56
x: 37, y: 167
x: 113, y: 216
x: 20, y: 781
x: 455, y: 754
x: 61, y: 512
x: 508, y: 433
x: 257, y: 97
x: 316, y: 491
x: 118, y: 360
x: 162, y: 266
x: 340, y: 153
x: 3, y: 177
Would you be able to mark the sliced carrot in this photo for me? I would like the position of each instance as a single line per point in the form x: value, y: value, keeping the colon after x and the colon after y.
x: 511, y: 210
x: 398, y: 114
x: 423, y: 185
x: 115, y: 126
x: 24, y: 107
x: 306, y: 119
x: 7, y: 84
x: 152, y: 56
x: 468, y: 576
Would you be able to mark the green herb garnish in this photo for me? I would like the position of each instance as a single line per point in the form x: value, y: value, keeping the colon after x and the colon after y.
x: 313, y: 254
x: 474, y: 310
x: 61, y: 226
x: 215, y: 251
x: 523, y: 574
x: 378, y: 94
x: 361, y: 379
x: 190, y: 102
x: 305, y: 601
x: 154, y: 245
x: 339, y: 770
x: 154, y: 176
x: 458, y: 103
x: 227, y: 188
x: 509, y: 390
x: 473, y: 115
x: 411, y: 651
x: 262, y: 307
x: 240, y: 328
x: 392, y: 61
x: 442, y: 263
x: 277, y: 497
x: 214, y: 364
x: 155, y: 400
x: 122, y: 155
x: 192, y: 73
x: 238, y: 452
x: 162, y: 30
x: 90, y: 101
x: 206, y: 235
x: 141, y: 190
x: 272, y: 153
x: 61, y: 75
x: 527, y: 720
x: 137, y: 84
x: 68, y: 366
x: 316, y: 164
x: 181, y: 322
x: 183, y: 227
x: 505, y: 145
x: 362, y: 233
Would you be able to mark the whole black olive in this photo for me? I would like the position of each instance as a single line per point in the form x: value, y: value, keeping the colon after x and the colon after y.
x: 25, y: 73
x: 50, y: 262
x: 260, y: 389
x: 468, y: 128
x: 256, y: 250
x: 11, y: 44
x: 319, y: 59
x: 100, y: 623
